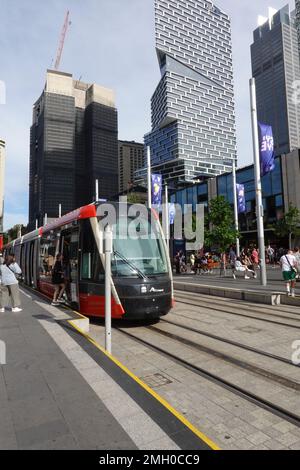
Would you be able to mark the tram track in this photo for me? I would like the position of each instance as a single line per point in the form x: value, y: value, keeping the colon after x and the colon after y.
x: 211, y: 306
x: 232, y: 343
x: 261, y: 402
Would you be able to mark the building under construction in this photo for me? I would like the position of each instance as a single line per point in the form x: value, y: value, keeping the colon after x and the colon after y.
x: 73, y: 143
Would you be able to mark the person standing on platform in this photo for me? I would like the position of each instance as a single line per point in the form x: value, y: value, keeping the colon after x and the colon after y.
x: 288, y: 265
x: 232, y: 259
x: 58, y: 281
x: 9, y: 271
x: 255, y: 259
x: 192, y: 261
x: 297, y: 256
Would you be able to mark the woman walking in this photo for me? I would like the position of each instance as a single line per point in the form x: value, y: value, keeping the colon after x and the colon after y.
x: 9, y: 271
x: 58, y: 281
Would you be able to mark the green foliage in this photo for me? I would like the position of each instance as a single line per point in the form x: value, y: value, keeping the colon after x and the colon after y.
x: 12, y: 233
x: 134, y: 198
x: 220, y: 220
x: 289, y: 225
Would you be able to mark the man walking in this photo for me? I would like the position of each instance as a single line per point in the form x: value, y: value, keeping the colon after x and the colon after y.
x: 288, y: 265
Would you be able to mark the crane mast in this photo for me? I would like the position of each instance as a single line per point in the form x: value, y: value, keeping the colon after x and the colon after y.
x: 62, y: 40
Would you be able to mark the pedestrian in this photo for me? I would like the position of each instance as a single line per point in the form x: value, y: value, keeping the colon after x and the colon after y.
x: 232, y: 258
x: 288, y: 265
x: 241, y: 267
x: 297, y: 256
x: 255, y: 258
x: 58, y: 281
x: 192, y: 261
x: 9, y: 271
x: 271, y: 255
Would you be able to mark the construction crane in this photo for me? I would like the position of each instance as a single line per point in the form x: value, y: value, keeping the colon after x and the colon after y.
x: 67, y: 23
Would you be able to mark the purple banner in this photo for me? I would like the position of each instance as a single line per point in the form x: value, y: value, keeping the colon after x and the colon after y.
x: 156, y: 190
x: 172, y: 213
x: 266, y: 147
x: 240, y: 192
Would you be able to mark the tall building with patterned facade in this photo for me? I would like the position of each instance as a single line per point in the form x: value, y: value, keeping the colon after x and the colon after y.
x: 276, y: 68
x: 2, y: 181
x: 74, y: 142
x: 193, y: 116
x: 131, y: 159
x: 297, y: 3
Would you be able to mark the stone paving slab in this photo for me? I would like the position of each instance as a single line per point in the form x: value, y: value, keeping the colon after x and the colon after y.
x: 231, y: 421
x: 45, y: 403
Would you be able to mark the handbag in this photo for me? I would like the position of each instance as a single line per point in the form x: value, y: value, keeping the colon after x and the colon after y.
x: 292, y: 267
x: 19, y: 277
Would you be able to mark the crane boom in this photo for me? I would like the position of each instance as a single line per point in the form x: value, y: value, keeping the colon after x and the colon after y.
x: 62, y: 40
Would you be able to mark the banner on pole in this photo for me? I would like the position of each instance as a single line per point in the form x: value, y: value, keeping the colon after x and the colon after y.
x: 241, y: 199
x: 156, y: 189
x: 172, y: 213
x: 266, y: 148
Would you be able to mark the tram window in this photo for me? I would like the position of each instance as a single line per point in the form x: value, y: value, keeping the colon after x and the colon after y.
x: 86, y: 269
x: 91, y: 265
x: 47, y: 254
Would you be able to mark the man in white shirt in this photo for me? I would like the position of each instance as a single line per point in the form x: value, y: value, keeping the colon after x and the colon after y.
x: 288, y: 265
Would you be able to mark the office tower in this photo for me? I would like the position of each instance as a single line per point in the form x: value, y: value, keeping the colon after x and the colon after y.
x: 297, y: 2
x: 275, y: 67
x: 74, y: 142
x: 193, y: 121
x: 2, y: 181
x: 131, y: 159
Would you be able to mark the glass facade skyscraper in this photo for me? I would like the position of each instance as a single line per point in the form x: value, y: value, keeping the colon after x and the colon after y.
x: 193, y: 119
x: 73, y: 143
x: 275, y: 67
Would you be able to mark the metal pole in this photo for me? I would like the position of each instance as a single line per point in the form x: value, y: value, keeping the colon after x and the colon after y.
x: 149, y: 177
x: 108, y: 251
x: 36, y: 224
x: 259, y: 204
x: 46, y: 219
x: 236, y: 215
x: 97, y: 190
x: 167, y: 232
x: 59, y: 211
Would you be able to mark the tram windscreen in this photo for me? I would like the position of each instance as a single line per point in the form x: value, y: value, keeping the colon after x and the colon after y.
x: 138, y: 249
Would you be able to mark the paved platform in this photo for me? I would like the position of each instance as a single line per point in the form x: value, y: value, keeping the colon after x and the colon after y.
x: 249, y: 290
x: 58, y: 390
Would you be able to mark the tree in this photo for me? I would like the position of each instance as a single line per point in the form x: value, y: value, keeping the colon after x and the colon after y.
x: 220, y: 219
x: 13, y: 232
x: 289, y: 225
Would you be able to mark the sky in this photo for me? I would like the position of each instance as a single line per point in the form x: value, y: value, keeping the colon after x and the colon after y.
x: 112, y: 43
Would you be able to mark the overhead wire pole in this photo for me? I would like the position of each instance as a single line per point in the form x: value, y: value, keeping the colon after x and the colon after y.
x: 236, y: 215
x: 149, y: 178
x: 108, y: 248
x: 97, y: 190
x: 258, y: 186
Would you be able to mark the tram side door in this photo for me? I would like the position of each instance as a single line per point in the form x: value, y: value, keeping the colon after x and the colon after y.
x: 69, y: 249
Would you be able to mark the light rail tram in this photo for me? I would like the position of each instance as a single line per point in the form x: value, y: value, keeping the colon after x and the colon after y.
x: 142, y: 286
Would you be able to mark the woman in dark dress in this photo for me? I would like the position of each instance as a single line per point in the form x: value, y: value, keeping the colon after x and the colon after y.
x: 58, y: 281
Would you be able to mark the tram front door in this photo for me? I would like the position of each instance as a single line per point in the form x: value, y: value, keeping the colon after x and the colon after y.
x: 69, y: 249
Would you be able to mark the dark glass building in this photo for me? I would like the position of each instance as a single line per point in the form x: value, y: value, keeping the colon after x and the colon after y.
x: 280, y: 189
x: 73, y: 142
x: 275, y: 67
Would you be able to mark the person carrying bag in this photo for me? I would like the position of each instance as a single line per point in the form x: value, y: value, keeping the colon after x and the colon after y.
x: 9, y: 271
